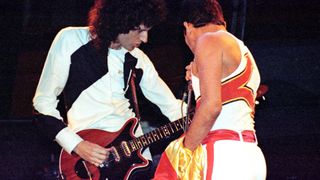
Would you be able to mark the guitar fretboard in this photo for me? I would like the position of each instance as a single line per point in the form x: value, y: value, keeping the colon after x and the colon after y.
x: 157, y: 134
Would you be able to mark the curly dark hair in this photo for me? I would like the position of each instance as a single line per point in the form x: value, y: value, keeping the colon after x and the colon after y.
x: 201, y: 12
x: 109, y: 18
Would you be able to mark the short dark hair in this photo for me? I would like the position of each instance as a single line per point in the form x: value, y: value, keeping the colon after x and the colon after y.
x: 201, y: 12
x: 109, y: 18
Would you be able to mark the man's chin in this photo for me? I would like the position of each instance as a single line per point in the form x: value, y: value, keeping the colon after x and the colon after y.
x: 131, y: 48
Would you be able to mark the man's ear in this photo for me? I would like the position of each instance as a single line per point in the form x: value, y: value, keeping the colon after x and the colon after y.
x: 225, y: 24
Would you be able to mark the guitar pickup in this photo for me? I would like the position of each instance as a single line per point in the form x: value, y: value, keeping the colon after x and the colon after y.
x: 125, y: 148
x: 115, y: 154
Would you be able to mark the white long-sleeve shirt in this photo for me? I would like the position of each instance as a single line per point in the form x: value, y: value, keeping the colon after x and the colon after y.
x: 102, y: 105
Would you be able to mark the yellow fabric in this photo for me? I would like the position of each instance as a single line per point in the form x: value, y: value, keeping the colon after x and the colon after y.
x: 187, y: 164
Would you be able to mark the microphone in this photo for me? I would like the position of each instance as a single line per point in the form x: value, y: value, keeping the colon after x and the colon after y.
x: 189, y: 87
x: 187, y: 91
x: 184, y: 96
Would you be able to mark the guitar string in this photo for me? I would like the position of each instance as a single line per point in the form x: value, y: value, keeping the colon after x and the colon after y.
x: 163, y: 135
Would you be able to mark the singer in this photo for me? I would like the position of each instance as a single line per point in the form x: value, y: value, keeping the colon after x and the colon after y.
x: 221, y: 142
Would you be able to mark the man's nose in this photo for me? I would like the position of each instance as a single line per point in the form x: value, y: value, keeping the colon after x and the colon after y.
x: 144, y: 36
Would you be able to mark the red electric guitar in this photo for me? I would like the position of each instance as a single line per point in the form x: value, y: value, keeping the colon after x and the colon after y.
x: 125, y: 158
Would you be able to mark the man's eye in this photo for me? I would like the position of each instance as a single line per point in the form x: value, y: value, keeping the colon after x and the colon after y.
x: 140, y: 30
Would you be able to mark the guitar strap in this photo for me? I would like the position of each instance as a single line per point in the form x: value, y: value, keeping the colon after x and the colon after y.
x: 134, y: 93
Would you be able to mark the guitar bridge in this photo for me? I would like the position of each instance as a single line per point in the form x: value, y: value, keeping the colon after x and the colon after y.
x: 113, y: 156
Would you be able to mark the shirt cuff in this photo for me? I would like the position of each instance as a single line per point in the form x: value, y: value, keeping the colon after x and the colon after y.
x: 68, y: 139
x: 178, y: 113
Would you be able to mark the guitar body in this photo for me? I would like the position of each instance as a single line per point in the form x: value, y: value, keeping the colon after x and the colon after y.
x: 74, y: 168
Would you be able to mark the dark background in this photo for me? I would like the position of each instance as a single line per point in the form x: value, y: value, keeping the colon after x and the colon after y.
x: 282, y: 35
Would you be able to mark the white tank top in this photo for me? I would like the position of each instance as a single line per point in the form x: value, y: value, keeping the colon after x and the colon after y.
x: 238, y: 93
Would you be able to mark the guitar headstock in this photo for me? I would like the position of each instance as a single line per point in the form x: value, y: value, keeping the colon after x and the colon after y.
x: 262, y: 90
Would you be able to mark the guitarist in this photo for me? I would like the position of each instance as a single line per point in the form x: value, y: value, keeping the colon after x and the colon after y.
x: 86, y: 64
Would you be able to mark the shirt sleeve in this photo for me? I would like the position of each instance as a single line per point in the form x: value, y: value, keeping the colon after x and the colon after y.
x: 68, y: 139
x: 52, y: 81
x: 157, y: 91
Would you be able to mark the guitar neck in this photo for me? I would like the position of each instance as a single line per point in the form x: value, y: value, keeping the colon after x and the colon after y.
x: 157, y: 134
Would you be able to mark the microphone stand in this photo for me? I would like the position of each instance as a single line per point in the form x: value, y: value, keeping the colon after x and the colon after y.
x: 189, y: 93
